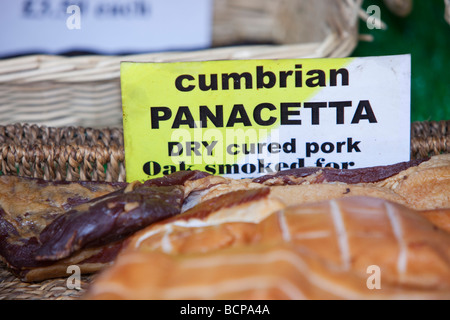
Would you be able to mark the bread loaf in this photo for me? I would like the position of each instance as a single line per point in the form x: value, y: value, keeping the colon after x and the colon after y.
x: 347, y: 248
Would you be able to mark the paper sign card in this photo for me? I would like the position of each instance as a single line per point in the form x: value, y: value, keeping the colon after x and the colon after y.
x: 104, y: 26
x: 244, y: 119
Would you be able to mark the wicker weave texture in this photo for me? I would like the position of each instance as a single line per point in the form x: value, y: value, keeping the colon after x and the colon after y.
x: 79, y: 153
x: 63, y: 153
x: 11, y: 288
x: 430, y: 138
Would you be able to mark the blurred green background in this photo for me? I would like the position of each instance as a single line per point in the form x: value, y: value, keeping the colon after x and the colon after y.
x: 424, y: 34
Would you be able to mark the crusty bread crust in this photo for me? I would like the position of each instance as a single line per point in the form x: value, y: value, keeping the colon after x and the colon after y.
x: 320, y: 250
x: 310, y: 234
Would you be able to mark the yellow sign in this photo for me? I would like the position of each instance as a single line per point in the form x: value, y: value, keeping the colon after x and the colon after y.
x: 230, y: 117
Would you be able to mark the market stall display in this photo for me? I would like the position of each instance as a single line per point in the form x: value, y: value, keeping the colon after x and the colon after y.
x: 313, y: 229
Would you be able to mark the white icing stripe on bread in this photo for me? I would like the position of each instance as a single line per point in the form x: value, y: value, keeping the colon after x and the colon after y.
x: 396, y: 225
x: 341, y: 232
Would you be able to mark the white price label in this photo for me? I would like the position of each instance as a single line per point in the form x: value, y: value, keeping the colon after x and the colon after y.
x: 104, y: 26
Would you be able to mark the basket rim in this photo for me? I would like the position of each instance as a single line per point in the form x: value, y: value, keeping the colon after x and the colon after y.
x: 339, y: 41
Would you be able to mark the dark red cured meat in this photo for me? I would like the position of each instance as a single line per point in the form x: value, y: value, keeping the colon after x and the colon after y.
x: 17, y: 254
x: 100, y: 221
x: 350, y: 176
x: 107, y: 254
x: 177, y: 178
x: 108, y: 220
x: 92, y: 185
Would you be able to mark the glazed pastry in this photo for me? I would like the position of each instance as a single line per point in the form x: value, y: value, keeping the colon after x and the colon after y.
x: 347, y: 248
x: 310, y: 233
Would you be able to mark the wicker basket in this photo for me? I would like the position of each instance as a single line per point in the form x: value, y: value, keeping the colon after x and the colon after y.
x: 85, y: 90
